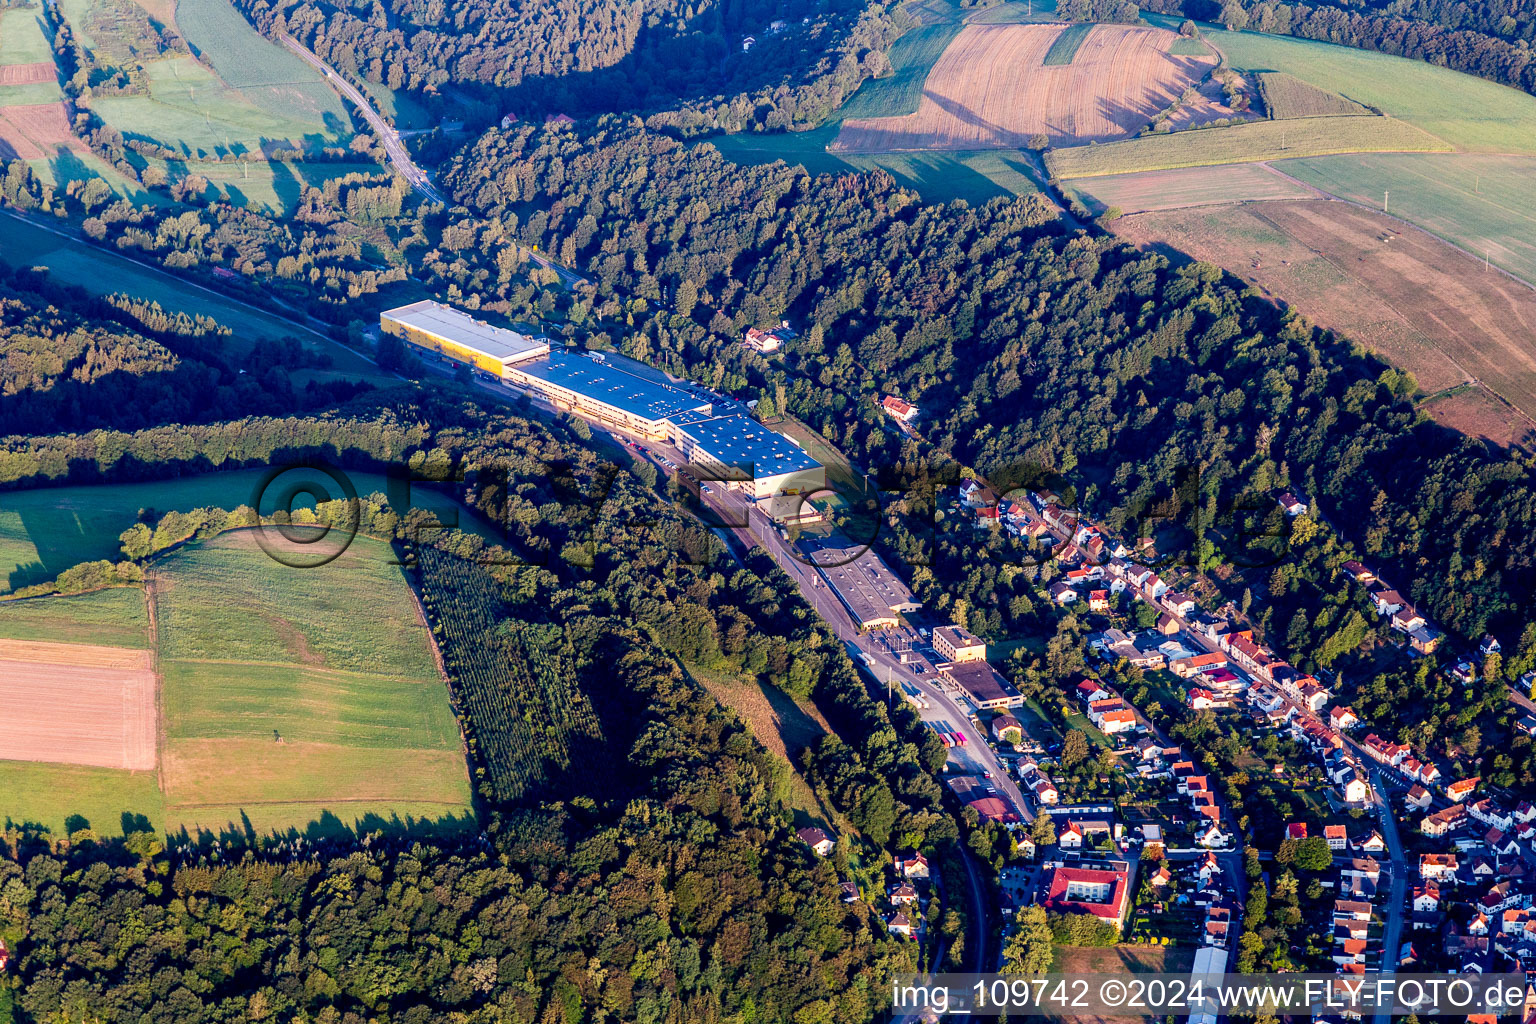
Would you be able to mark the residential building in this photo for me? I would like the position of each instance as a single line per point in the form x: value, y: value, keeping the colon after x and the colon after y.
x: 820, y: 843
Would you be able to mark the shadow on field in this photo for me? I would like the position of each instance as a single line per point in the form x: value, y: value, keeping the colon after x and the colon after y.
x: 330, y: 827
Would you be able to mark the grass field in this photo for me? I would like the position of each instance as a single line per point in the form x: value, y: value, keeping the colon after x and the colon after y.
x: 990, y: 89
x: 29, y: 94
x: 273, y: 186
x: 1183, y: 47
x: 1189, y: 186
x: 1014, y: 12
x: 1258, y: 140
x: 116, y: 618
x: 1066, y: 45
x: 288, y: 691
x: 272, y: 77
x: 191, y: 111
x: 1481, y: 203
x: 912, y: 57
x: 1398, y: 291
x: 101, y: 272
x: 45, y: 531
x: 1287, y: 96
x: 938, y: 177
x: 23, y: 37
x: 58, y: 795
x: 1470, y: 113
x: 399, y: 106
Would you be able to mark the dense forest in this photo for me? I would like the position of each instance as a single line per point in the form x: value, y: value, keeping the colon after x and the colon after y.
x: 75, y: 362
x: 706, y: 65
x: 1170, y: 397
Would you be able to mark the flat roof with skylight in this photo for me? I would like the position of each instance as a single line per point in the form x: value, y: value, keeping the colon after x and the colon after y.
x: 601, y: 381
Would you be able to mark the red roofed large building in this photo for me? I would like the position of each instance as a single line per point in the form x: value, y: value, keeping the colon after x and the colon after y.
x: 1095, y: 891
x: 897, y: 409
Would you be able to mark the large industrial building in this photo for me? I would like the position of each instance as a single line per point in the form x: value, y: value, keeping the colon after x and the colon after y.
x: 874, y: 595
x: 453, y: 333
x: 726, y: 445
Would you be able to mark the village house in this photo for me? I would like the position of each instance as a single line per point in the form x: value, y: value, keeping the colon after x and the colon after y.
x: 1342, y: 718
x: 1438, y: 867
x: 902, y: 412
x: 820, y: 843
x: 1292, y: 505
x: 903, y: 894
x: 914, y: 866
x: 900, y: 924
x: 1359, y: 572
x: 1460, y: 790
x: 1337, y: 837
x: 1444, y: 821
x: 1418, y: 798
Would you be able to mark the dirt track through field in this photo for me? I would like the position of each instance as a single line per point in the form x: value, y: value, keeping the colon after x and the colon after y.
x: 991, y: 90
x: 77, y: 704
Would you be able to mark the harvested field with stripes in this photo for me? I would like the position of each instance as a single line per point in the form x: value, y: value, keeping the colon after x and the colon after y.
x: 1189, y: 186
x: 35, y: 131
x: 77, y: 704
x: 993, y: 89
x: 28, y: 74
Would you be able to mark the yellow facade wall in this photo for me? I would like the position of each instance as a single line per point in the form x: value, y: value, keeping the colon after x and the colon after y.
x: 451, y: 349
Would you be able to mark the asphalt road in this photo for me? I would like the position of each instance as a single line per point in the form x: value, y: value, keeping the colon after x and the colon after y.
x: 976, y: 757
x: 386, y: 134
x: 1391, y: 936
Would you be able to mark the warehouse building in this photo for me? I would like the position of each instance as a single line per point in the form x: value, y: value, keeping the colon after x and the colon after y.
x: 986, y: 687
x: 727, y: 446
x: 458, y: 336
x: 874, y: 595
x: 737, y: 448
x: 591, y: 386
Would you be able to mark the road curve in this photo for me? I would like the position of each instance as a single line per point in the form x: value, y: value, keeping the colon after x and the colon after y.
x: 386, y: 134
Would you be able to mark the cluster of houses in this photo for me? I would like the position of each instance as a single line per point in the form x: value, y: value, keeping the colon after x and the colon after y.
x: 1108, y: 713
x: 1034, y: 780
x: 1154, y: 761
x: 1212, y: 893
x: 911, y: 871
x: 1479, y: 905
x: 1423, y: 637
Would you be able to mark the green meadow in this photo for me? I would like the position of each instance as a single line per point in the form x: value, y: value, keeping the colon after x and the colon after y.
x: 295, y: 694
x: 1470, y: 113
x: 46, y: 530
x: 1481, y: 203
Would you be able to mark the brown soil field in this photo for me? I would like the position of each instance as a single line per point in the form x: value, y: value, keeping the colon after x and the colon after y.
x: 35, y: 131
x: 1477, y: 412
x: 1145, y: 191
x: 77, y: 704
x: 1420, y: 303
x: 990, y: 90
x: 28, y: 74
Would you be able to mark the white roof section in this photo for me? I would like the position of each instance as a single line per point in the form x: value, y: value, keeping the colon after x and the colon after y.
x: 459, y: 327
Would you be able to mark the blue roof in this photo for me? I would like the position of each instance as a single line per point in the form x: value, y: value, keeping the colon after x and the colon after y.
x: 619, y: 388
x: 741, y: 441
